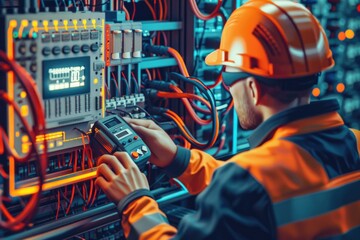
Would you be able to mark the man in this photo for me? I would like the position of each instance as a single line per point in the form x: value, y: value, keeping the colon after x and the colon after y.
x: 301, y: 178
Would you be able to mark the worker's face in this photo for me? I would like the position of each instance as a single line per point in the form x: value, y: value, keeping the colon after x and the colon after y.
x: 244, y: 103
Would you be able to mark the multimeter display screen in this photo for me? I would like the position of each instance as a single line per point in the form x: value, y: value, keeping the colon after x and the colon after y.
x: 122, y: 134
x: 112, y: 123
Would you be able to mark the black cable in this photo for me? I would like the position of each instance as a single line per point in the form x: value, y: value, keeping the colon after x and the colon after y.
x: 210, y: 97
x: 62, y: 3
x: 128, y: 90
x: 122, y: 111
x: 74, y: 4
x: 146, y: 112
x: 82, y: 4
x: 10, y: 6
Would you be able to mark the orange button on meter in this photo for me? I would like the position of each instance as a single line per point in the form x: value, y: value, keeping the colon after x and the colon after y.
x: 134, y: 154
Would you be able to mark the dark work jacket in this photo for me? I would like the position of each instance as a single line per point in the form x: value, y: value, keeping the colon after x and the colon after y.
x: 300, y: 180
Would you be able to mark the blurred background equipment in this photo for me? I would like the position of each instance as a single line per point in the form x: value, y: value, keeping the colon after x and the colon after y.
x: 66, y: 64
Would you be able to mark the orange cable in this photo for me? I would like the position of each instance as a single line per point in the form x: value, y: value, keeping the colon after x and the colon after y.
x: 179, y: 60
x: 127, y: 15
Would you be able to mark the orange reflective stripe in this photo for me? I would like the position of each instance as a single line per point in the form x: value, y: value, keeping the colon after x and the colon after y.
x: 357, y: 136
x: 333, y: 223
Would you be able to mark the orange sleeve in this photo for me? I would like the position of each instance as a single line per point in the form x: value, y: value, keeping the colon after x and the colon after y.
x: 142, y: 219
x: 199, y: 171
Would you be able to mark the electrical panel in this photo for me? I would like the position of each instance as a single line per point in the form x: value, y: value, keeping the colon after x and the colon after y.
x: 63, y: 53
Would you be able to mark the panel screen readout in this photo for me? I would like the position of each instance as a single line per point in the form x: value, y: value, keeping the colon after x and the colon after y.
x: 66, y: 77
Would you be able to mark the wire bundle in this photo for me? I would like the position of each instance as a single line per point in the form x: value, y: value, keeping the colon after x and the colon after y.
x: 38, y: 128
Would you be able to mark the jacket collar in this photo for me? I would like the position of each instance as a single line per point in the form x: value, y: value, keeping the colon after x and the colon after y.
x: 297, y: 114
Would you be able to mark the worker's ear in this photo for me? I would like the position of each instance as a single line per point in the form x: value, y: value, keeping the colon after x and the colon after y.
x: 255, y: 90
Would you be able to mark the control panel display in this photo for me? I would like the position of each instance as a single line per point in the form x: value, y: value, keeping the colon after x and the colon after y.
x: 66, y: 77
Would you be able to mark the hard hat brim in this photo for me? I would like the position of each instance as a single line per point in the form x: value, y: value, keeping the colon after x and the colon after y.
x: 216, y: 58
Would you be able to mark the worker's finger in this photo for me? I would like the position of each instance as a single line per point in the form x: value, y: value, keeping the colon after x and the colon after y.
x: 111, y: 161
x: 101, y: 182
x: 104, y: 171
x: 125, y: 159
x: 149, y: 124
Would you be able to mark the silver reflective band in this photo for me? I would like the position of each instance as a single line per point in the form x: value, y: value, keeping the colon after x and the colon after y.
x: 145, y: 223
x: 314, y: 204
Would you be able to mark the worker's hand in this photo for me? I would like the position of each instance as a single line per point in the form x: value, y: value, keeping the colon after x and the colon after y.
x: 118, y: 176
x: 162, y: 148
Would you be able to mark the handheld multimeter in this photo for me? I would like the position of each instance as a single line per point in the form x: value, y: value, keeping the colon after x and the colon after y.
x: 112, y: 134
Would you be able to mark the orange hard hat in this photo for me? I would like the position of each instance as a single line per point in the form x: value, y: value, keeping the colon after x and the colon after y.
x: 273, y: 39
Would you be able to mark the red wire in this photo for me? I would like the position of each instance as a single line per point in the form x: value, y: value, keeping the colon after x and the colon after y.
x: 108, y: 94
x: 136, y: 82
x: 2, y: 172
x: 189, y: 108
x: 184, y: 95
x: 116, y: 83
x: 181, y: 125
x: 221, y: 145
x: 176, y: 118
x: 218, y: 80
x: 158, y: 74
x: 200, y: 15
x: 87, y: 151
x: 73, y: 186
x: 58, y: 205
x: 165, y: 38
x: 9, y: 149
x: 93, y: 5
x: 148, y: 74
x: 153, y: 73
x: 134, y: 10
x: 161, y: 13
x: 165, y: 9
x: 151, y: 9
x: 25, y: 216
